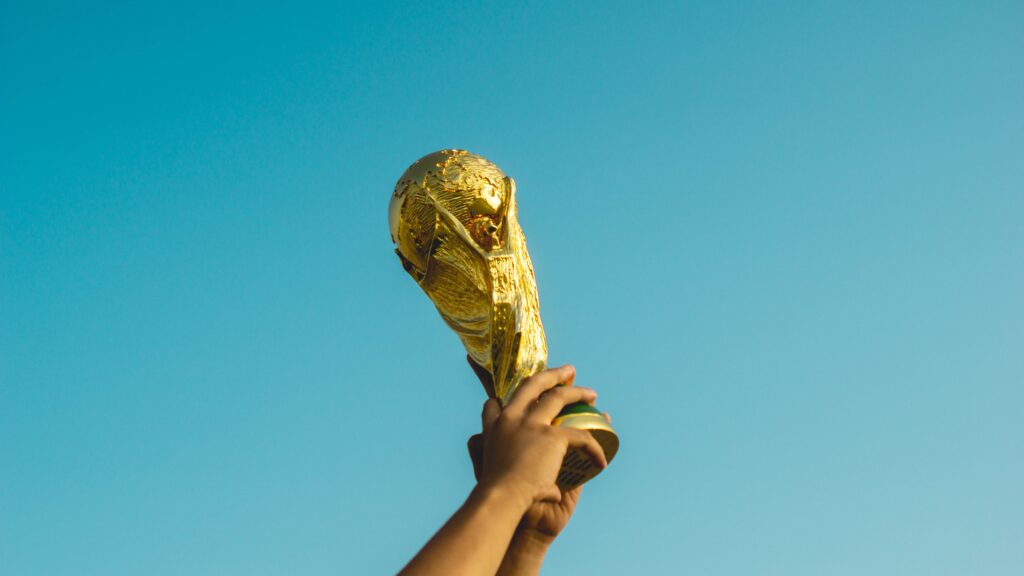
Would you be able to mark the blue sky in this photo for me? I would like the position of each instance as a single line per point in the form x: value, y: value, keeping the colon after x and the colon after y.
x: 783, y: 241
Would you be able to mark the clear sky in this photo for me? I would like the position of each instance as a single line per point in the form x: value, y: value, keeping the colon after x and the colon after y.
x: 784, y: 241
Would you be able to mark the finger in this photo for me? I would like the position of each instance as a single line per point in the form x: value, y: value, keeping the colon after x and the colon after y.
x: 608, y: 417
x: 571, y: 497
x: 485, y: 377
x: 571, y: 380
x: 585, y: 441
x: 492, y: 409
x: 535, y: 385
x: 550, y: 494
x: 476, y: 453
x: 552, y: 402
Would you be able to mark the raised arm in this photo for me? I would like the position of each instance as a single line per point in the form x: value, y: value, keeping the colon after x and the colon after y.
x: 542, y: 522
x: 523, y: 453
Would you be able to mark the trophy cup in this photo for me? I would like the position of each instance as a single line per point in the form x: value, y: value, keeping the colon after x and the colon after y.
x: 453, y: 219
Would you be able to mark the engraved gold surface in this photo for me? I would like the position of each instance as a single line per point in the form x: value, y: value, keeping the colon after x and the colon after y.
x: 454, y: 221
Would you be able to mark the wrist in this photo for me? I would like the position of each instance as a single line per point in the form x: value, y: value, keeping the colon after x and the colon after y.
x: 528, y: 542
x: 525, y: 554
x: 506, y: 492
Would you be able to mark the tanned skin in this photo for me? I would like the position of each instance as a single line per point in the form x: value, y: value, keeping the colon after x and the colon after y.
x: 516, y: 509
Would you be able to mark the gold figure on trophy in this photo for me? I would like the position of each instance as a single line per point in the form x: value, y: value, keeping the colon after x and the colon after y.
x: 453, y: 220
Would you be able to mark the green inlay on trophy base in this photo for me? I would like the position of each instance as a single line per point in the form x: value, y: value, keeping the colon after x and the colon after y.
x: 579, y: 408
x: 577, y: 467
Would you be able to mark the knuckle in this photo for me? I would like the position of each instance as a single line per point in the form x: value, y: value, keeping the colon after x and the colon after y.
x: 558, y: 393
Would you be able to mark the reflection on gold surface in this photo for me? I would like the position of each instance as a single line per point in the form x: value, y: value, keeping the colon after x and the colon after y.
x: 453, y: 220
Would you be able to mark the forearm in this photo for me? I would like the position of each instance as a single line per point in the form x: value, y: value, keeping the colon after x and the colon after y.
x: 476, y: 537
x: 525, y: 554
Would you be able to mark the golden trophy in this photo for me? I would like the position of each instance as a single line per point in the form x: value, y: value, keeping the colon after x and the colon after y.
x: 453, y: 220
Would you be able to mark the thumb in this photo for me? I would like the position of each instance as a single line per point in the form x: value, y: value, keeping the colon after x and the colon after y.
x: 476, y: 453
x: 492, y: 409
x: 551, y: 494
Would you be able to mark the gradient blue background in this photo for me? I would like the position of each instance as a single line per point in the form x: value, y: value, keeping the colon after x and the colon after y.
x: 783, y: 241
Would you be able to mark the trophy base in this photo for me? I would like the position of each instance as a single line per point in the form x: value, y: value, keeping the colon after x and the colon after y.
x: 577, y: 467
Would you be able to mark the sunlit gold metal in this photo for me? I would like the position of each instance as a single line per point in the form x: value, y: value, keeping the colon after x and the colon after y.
x: 454, y: 221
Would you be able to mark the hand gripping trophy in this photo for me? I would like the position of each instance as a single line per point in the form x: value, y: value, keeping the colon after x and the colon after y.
x: 454, y: 223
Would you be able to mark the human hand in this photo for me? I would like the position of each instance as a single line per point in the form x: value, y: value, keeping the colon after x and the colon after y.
x: 543, y: 521
x: 548, y: 516
x: 521, y: 450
